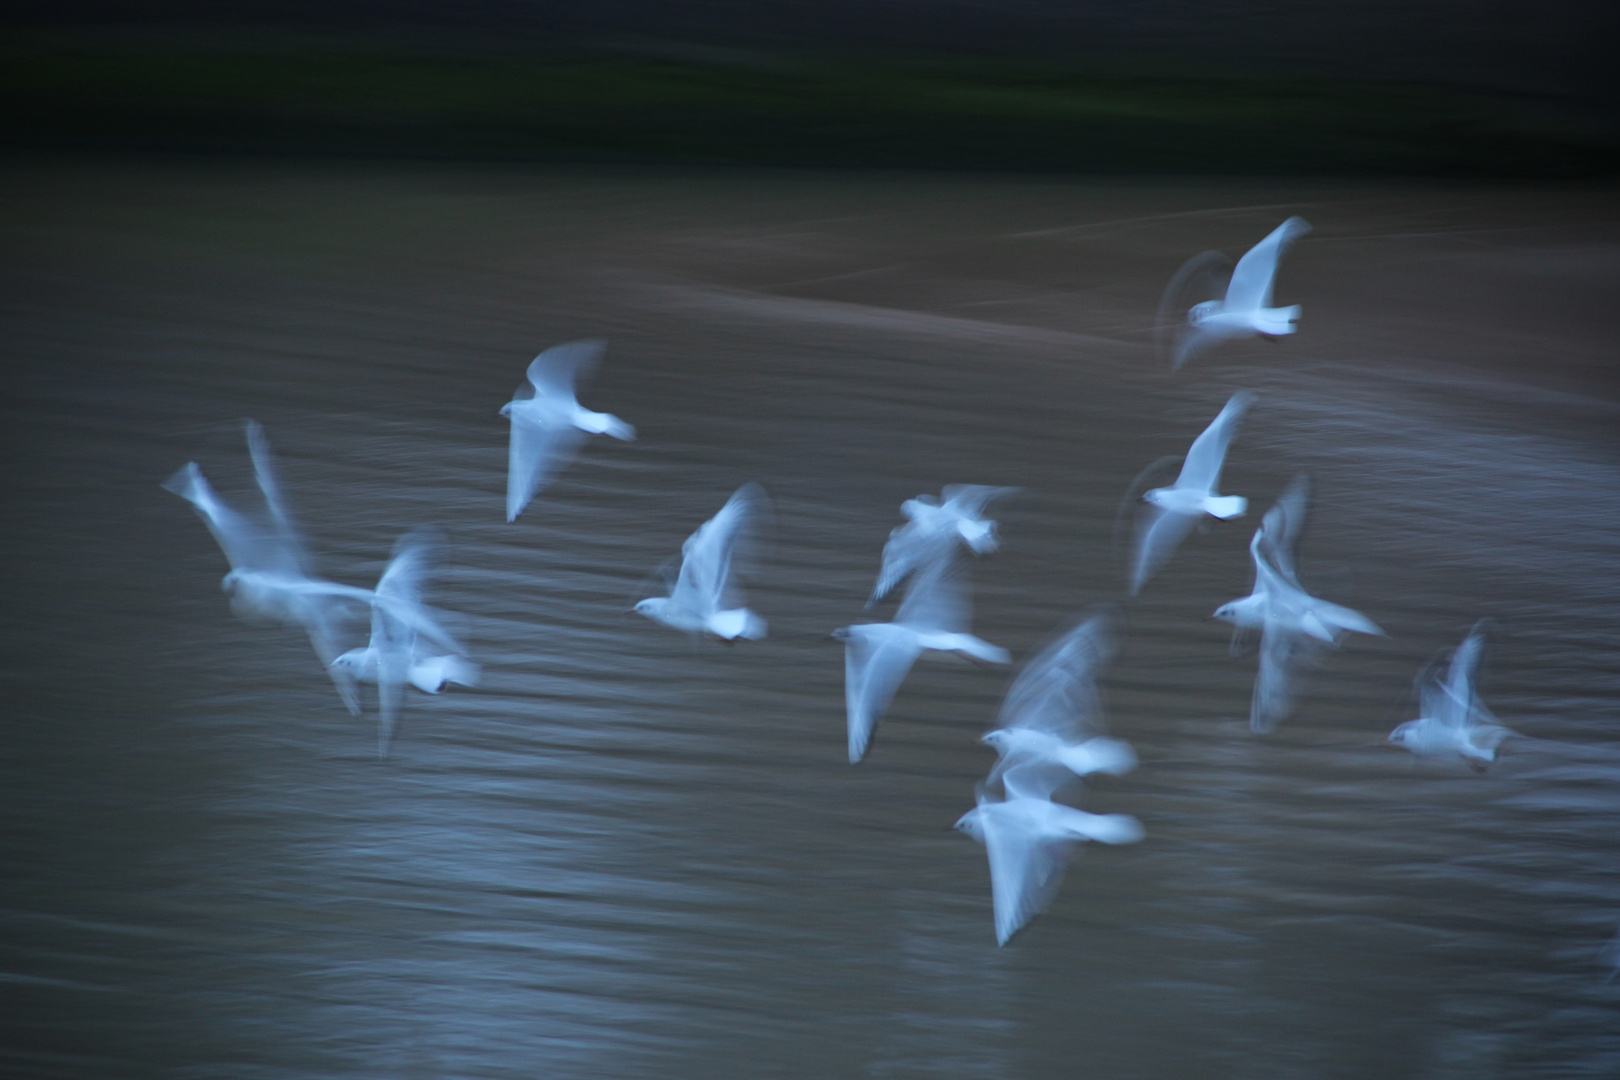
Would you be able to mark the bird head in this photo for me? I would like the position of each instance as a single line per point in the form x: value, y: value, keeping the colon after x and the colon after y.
x: 1399, y: 736
x: 1199, y: 312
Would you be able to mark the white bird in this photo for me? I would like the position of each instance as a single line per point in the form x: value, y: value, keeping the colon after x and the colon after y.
x: 1455, y: 723
x: 1173, y: 511
x: 398, y: 653
x: 548, y: 422
x: 1246, y: 310
x: 271, y: 572
x: 1051, y: 720
x: 1029, y: 840
x: 1290, y: 620
x: 935, y: 615
x: 706, y: 596
x: 932, y: 529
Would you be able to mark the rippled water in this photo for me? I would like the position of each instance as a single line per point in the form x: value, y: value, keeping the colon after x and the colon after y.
x: 627, y: 854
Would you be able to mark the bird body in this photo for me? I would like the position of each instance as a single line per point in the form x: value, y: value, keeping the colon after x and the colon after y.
x: 549, y: 423
x: 933, y: 617
x: 1029, y: 842
x: 932, y: 530
x: 1284, y: 613
x: 706, y: 597
x: 1245, y: 311
x: 1455, y: 723
x: 1174, y: 510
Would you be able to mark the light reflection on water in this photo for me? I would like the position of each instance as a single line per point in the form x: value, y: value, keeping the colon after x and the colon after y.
x: 629, y: 855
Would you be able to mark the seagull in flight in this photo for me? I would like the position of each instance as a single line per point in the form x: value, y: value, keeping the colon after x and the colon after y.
x: 1246, y: 309
x: 407, y: 645
x: 1455, y: 723
x: 935, y: 615
x: 1173, y: 511
x: 1030, y: 840
x: 706, y: 597
x: 271, y: 570
x: 1292, y: 622
x: 548, y: 422
x: 1050, y: 725
x: 933, y: 528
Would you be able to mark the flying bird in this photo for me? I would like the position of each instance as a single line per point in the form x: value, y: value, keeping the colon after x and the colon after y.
x: 935, y: 615
x: 706, y: 596
x: 1173, y: 511
x: 548, y: 422
x: 933, y: 528
x: 407, y: 645
x: 1245, y: 311
x: 1050, y: 725
x: 1029, y: 840
x: 1292, y: 623
x: 1455, y: 723
x: 271, y: 572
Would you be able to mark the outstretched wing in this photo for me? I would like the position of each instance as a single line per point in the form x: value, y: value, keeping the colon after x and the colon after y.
x: 1206, y: 456
x: 1057, y: 690
x: 246, y: 545
x: 1281, y: 526
x: 1026, y: 871
x: 1250, y: 289
x: 1159, y: 533
x: 938, y: 598
x: 722, y: 546
x: 561, y: 368
x: 874, y: 668
x: 910, y: 545
x: 293, y: 551
x: 1273, y: 684
x: 971, y: 499
x: 538, y: 451
x: 1201, y: 278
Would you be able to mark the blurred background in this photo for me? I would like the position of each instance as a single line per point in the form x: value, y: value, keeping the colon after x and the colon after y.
x: 854, y: 252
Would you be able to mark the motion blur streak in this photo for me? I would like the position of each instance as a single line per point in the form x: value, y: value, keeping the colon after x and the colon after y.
x: 629, y: 855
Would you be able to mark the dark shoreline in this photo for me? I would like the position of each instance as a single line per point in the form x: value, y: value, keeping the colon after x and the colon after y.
x: 347, y: 98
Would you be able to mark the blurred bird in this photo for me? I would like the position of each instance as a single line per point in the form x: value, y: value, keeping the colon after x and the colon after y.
x: 1051, y: 722
x: 271, y: 571
x: 1173, y: 511
x: 399, y: 652
x: 1029, y: 840
x: 1289, y: 618
x: 1455, y: 723
x: 1246, y: 310
x: 548, y: 422
x: 933, y: 529
x: 934, y: 615
x: 706, y: 596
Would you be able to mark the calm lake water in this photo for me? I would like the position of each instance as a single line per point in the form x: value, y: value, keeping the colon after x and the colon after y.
x: 631, y: 855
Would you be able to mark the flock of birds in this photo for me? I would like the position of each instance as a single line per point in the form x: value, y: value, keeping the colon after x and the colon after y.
x: 1050, y: 730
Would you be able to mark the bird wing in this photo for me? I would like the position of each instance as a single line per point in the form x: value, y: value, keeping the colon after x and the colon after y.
x: 536, y: 454
x: 1460, y: 675
x: 707, y: 581
x: 557, y: 371
x: 1202, y: 469
x: 1025, y: 872
x: 1284, y: 522
x: 938, y: 597
x: 971, y: 499
x: 294, y: 554
x: 1273, y: 684
x: 246, y: 545
x: 321, y: 616
x: 1250, y: 288
x: 874, y: 667
x: 910, y: 545
x: 1056, y: 692
x: 1158, y: 533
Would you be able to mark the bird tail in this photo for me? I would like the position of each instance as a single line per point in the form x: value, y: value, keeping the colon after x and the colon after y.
x: 980, y: 649
x: 1226, y: 506
x: 736, y: 623
x: 1114, y: 828
x: 1276, y: 321
x: 1108, y: 755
